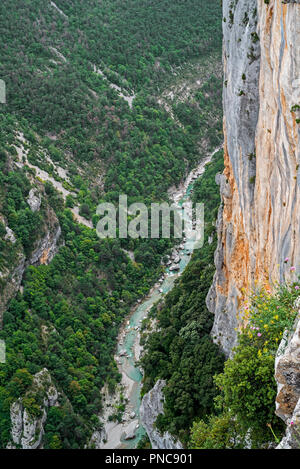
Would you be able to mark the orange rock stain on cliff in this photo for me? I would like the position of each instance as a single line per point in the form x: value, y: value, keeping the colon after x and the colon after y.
x: 237, y: 261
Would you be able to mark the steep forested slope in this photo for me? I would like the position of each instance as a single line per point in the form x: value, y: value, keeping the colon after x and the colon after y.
x: 180, y: 350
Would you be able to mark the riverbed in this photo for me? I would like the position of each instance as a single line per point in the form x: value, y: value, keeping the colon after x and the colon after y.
x: 127, y: 434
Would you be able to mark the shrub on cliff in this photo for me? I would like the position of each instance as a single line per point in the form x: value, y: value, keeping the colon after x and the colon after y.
x: 249, y: 390
x: 247, y: 384
x: 220, y: 432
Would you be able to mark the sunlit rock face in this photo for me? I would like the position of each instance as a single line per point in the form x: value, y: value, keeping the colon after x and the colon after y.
x: 259, y: 220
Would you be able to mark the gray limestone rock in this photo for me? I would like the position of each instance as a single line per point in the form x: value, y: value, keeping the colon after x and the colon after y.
x: 151, y: 407
x: 27, y: 430
x: 34, y: 200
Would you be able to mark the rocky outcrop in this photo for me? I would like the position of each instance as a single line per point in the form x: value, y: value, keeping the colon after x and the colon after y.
x: 259, y: 223
x: 152, y: 405
x: 45, y: 246
x: 287, y: 375
x: 291, y: 439
x: 97, y: 439
x: 27, y: 430
x: 34, y: 200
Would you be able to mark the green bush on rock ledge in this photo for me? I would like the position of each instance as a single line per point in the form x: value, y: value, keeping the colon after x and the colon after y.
x: 247, y: 385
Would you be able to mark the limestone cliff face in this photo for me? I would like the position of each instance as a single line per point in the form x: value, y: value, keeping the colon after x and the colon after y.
x: 152, y: 406
x: 259, y: 220
x: 44, y: 248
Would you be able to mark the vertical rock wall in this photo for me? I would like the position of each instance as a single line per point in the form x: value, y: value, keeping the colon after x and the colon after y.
x: 259, y: 219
